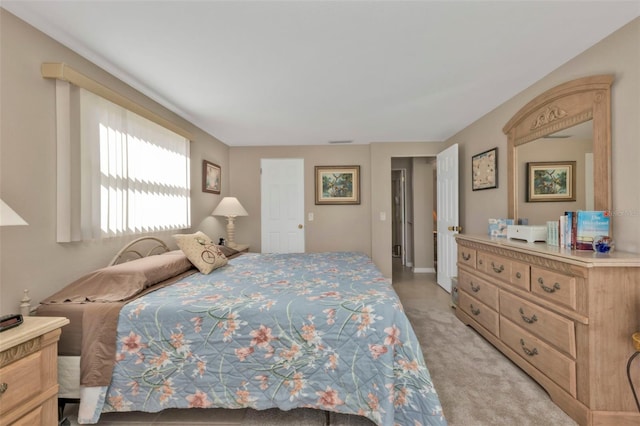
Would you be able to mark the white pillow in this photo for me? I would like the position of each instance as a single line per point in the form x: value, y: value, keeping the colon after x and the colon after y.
x: 201, y: 251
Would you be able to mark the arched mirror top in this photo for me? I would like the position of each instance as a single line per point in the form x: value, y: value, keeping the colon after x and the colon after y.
x: 557, y: 109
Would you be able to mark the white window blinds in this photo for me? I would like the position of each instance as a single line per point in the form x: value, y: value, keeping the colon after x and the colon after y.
x: 134, y: 173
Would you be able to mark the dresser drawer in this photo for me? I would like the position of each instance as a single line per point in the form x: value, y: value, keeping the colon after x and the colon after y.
x: 553, y: 286
x: 480, y: 312
x: 558, y: 367
x: 551, y: 327
x: 467, y: 256
x: 482, y: 290
x: 22, y: 380
x: 504, y: 269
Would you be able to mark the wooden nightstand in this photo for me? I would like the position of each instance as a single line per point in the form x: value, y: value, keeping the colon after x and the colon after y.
x: 241, y: 248
x: 29, y: 372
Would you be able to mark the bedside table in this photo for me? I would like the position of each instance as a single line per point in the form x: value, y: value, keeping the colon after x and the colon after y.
x: 241, y: 248
x: 29, y: 372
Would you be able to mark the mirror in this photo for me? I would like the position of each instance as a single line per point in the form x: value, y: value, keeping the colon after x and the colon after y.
x: 574, y: 144
x: 581, y: 103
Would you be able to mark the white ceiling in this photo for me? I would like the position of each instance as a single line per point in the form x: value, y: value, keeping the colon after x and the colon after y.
x: 309, y: 72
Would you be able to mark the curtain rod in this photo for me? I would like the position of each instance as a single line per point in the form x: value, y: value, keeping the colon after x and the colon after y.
x: 62, y: 71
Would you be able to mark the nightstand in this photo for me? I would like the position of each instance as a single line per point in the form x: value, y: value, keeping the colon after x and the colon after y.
x: 29, y: 372
x: 241, y: 248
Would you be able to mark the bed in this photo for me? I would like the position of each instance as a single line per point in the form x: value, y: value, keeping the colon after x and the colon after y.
x: 315, y: 330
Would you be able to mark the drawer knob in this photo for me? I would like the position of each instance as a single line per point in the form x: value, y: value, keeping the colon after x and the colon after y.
x: 496, y: 269
x: 474, y: 311
x: 480, y: 261
x: 518, y: 275
x: 476, y: 288
x: 3, y: 388
x: 553, y: 289
x: 466, y: 256
x: 529, y: 352
x: 528, y: 320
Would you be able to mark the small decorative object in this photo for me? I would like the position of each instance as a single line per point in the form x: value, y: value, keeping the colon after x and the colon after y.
x: 211, y: 177
x: 603, y: 244
x: 337, y: 184
x: 25, y: 304
x: 221, y: 241
x: 551, y: 181
x: 529, y: 233
x: 498, y: 227
x: 484, y: 169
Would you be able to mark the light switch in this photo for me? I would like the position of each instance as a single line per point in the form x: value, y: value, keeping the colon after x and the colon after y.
x: 310, y: 217
x: 383, y: 216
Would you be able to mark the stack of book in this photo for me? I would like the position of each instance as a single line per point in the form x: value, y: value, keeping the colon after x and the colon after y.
x: 577, y: 230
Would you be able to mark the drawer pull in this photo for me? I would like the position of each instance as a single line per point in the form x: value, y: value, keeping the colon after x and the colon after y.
x: 497, y: 270
x: 518, y: 275
x: 528, y: 320
x: 3, y: 388
x: 476, y: 288
x: 466, y: 257
x: 530, y: 352
x: 481, y: 262
x: 474, y: 311
x: 553, y: 289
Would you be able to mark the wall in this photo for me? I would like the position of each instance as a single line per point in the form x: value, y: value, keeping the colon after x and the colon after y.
x: 335, y: 227
x: 29, y: 256
x: 423, y: 213
x: 618, y: 54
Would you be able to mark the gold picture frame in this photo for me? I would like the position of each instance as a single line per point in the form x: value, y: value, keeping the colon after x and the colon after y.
x: 337, y: 184
x: 551, y: 181
x: 211, y: 177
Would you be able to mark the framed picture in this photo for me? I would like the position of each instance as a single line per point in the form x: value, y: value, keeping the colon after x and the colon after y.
x: 211, y: 177
x: 337, y: 184
x: 484, y: 169
x: 551, y: 181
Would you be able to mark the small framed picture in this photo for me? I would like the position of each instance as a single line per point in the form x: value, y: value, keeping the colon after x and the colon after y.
x: 211, y: 177
x: 484, y: 170
x: 551, y: 181
x: 337, y: 184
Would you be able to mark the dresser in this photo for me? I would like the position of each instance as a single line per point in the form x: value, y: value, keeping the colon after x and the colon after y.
x: 29, y: 372
x: 565, y: 317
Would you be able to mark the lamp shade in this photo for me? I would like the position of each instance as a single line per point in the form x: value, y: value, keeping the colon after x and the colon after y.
x: 229, y: 206
x: 8, y: 217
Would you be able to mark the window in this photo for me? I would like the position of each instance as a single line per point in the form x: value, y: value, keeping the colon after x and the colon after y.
x: 134, y: 173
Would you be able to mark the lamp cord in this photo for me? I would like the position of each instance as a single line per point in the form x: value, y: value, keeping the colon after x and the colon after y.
x: 635, y: 396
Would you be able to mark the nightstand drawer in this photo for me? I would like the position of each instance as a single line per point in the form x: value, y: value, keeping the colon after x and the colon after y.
x: 22, y: 380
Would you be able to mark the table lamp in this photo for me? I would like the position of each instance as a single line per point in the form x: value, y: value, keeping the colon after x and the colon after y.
x: 230, y: 207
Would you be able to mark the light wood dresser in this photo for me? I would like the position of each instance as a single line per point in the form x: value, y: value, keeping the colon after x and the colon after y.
x: 29, y: 372
x: 565, y: 317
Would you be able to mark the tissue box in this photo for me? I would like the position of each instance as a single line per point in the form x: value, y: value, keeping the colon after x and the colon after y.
x: 526, y: 232
x: 498, y: 227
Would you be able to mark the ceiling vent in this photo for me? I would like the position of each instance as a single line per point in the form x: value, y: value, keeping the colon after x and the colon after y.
x: 341, y: 142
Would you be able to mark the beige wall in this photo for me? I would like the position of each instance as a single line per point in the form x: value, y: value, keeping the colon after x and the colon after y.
x: 335, y: 227
x: 423, y: 216
x: 618, y: 54
x: 29, y: 256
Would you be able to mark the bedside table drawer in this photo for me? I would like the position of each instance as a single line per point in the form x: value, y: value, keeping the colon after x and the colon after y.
x: 22, y: 380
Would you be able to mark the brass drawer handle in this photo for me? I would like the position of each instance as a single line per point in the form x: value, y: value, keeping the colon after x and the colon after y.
x: 497, y: 270
x: 466, y: 257
x: 530, y: 352
x: 553, y: 289
x: 3, y: 388
x: 476, y: 288
x: 474, y: 311
x: 528, y: 320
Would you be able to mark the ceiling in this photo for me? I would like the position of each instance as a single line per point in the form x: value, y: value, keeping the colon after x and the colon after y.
x: 310, y: 72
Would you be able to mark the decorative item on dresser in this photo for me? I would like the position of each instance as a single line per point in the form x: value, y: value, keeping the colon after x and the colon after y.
x: 564, y: 317
x: 29, y: 372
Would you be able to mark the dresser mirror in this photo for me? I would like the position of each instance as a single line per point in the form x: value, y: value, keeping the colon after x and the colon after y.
x: 569, y: 123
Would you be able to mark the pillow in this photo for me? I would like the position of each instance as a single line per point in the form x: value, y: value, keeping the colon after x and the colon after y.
x: 201, y: 251
x: 121, y: 282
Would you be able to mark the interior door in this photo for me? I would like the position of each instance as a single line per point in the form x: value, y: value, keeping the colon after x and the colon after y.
x: 447, y: 211
x: 282, y: 205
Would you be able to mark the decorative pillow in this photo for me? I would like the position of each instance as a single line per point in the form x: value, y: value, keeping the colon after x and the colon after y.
x: 122, y: 281
x: 201, y: 251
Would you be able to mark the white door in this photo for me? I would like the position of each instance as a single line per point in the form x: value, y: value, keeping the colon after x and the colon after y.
x: 282, y: 190
x: 447, y: 223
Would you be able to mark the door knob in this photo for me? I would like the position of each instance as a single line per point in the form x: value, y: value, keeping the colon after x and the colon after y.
x: 455, y: 228
x: 300, y: 226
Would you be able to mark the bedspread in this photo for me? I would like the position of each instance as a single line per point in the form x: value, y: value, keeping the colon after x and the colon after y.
x: 318, y: 330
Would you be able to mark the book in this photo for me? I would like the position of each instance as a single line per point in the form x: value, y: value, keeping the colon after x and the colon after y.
x: 591, y: 224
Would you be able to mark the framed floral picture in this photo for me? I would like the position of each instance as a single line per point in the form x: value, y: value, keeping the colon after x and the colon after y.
x: 551, y: 181
x: 211, y: 177
x: 484, y: 170
x: 337, y: 184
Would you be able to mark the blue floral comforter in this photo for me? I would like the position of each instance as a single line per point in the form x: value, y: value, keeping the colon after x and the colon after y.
x: 319, y: 330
